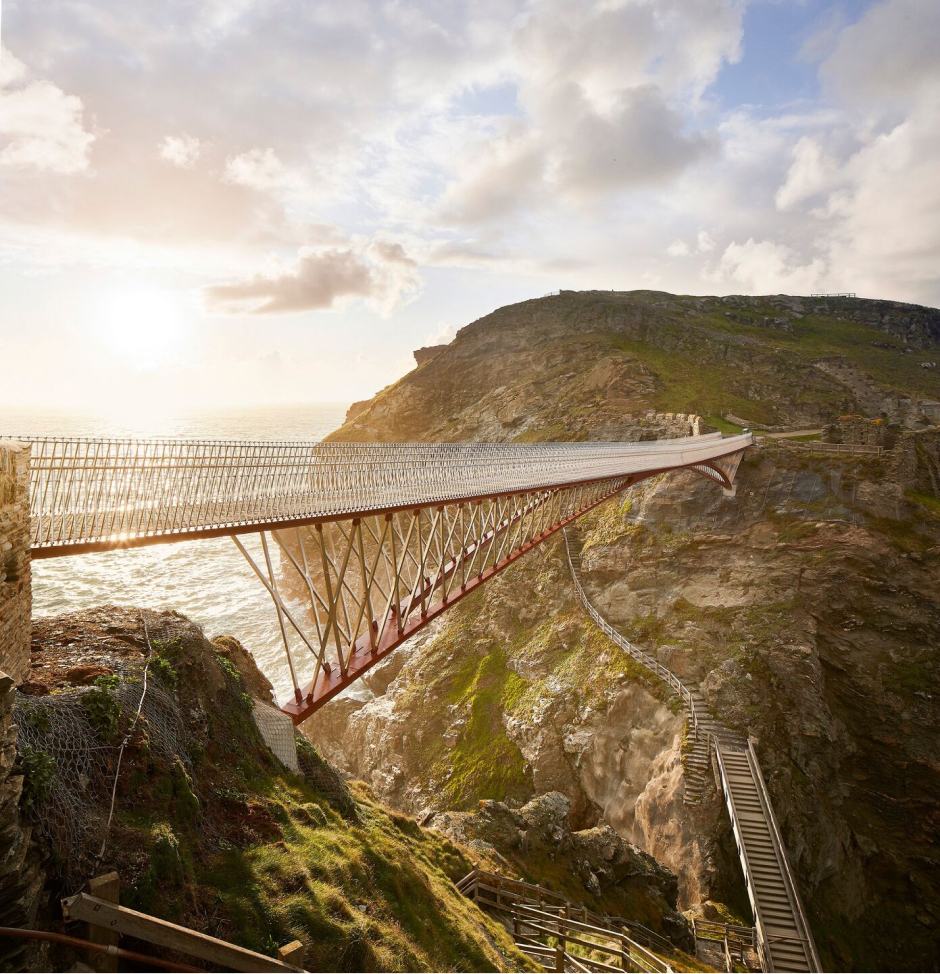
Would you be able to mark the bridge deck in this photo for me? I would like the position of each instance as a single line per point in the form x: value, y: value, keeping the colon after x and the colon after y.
x: 380, y: 537
x: 92, y: 495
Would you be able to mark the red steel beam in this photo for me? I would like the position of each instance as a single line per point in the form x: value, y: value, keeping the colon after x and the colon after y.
x: 329, y: 685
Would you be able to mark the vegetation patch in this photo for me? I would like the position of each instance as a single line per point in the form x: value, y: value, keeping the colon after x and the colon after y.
x: 485, y: 763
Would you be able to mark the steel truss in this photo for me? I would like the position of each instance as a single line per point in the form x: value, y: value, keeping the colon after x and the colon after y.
x: 371, y: 582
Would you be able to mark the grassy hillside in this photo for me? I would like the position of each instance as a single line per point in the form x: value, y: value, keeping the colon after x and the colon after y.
x: 210, y: 831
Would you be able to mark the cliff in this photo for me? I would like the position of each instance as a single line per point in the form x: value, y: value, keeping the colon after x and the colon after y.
x: 807, y: 605
x: 209, y: 829
x: 580, y: 365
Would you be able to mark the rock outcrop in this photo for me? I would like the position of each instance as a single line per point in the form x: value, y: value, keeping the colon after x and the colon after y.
x: 595, y: 866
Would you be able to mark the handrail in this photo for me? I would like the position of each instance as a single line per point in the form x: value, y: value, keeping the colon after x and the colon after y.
x: 91, y: 491
x: 816, y: 446
x: 639, y: 931
x: 763, y: 938
x: 650, y: 662
x: 796, y: 901
x: 508, y: 896
x: 745, y: 862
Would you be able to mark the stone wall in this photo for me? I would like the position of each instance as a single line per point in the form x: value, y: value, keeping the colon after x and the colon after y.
x: 914, y: 463
x: 861, y: 431
x: 15, y: 595
x: 21, y: 878
x: 668, y: 425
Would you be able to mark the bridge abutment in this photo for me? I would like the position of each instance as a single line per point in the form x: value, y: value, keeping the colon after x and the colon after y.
x: 21, y: 880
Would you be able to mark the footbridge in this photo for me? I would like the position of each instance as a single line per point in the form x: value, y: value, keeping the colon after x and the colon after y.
x: 377, y: 538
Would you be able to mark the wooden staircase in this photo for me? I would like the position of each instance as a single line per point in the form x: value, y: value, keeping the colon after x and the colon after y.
x: 562, y: 935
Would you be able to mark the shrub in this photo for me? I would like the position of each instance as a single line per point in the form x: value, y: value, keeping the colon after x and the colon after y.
x: 38, y: 718
x: 38, y: 773
x: 104, y: 712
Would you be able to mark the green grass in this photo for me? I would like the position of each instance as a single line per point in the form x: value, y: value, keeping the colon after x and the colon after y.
x: 485, y: 763
x: 929, y: 504
x: 374, y: 896
x: 375, y: 893
x: 723, y: 425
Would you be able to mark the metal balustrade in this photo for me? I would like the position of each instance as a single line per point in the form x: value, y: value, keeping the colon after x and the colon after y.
x: 96, y: 494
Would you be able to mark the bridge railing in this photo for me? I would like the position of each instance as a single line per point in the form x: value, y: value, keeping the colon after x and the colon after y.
x: 86, y: 489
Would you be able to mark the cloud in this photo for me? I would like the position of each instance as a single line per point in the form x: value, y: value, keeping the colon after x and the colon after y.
x: 444, y: 335
x: 810, y: 173
x: 768, y: 267
x: 704, y: 242
x: 678, y: 248
x: 495, y: 177
x: 380, y: 273
x: 181, y: 150
x: 42, y: 126
x: 258, y: 169
x: 603, y: 91
x: 889, y: 53
x: 639, y: 141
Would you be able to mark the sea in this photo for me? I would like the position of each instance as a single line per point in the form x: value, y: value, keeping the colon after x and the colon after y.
x: 208, y: 580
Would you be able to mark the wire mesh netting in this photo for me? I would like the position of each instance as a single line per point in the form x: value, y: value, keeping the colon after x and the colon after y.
x: 277, y: 731
x: 73, y: 803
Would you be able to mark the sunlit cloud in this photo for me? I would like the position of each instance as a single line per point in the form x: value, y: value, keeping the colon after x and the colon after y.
x: 379, y: 273
x: 181, y: 150
x: 42, y: 127
x: 428, y: 162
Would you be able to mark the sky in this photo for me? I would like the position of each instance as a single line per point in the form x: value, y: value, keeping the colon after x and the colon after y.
x: 239, y: 202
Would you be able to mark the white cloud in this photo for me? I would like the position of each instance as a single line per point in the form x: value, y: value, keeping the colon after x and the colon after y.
x: 494, y: 177
x: 379, y: 272
x: 181, y: 150
x: 42, y: 126
x: 444, y: 335
x: 704, y: 242
x: 257, y: 169
x: 810, y: 173
x: 678, y: 248
x: 767, y: 267
x: 890, y: 53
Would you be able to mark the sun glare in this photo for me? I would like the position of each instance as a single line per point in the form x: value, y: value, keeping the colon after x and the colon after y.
x: 142, y: 327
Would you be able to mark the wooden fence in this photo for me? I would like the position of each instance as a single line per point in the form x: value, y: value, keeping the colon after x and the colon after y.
x: 562, y: 935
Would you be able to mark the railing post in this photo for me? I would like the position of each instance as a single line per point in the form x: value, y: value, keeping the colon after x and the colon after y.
x: 292, y: 953
x: 106, y: 887
x: 560, y: 959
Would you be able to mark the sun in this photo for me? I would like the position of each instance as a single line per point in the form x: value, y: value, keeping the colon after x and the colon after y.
x: 142, y: 327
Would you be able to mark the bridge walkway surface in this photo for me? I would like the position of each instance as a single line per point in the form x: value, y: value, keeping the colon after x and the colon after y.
x: 784, y: 938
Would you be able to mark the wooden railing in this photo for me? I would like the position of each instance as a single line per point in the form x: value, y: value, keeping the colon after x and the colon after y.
x: 644, y: 659
x: 561, y: 934
x: 107, y: 919
x: 735, y: 940
x: 817, y: 446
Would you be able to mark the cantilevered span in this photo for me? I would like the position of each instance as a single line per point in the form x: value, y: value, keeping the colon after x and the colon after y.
x: 380, y: 537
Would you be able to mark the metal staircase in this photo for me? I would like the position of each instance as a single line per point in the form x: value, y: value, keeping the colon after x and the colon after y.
x: 784, y: 939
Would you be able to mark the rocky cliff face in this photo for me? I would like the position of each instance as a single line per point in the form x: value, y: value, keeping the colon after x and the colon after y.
x: 579, y: 365
x: 807, y: 606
